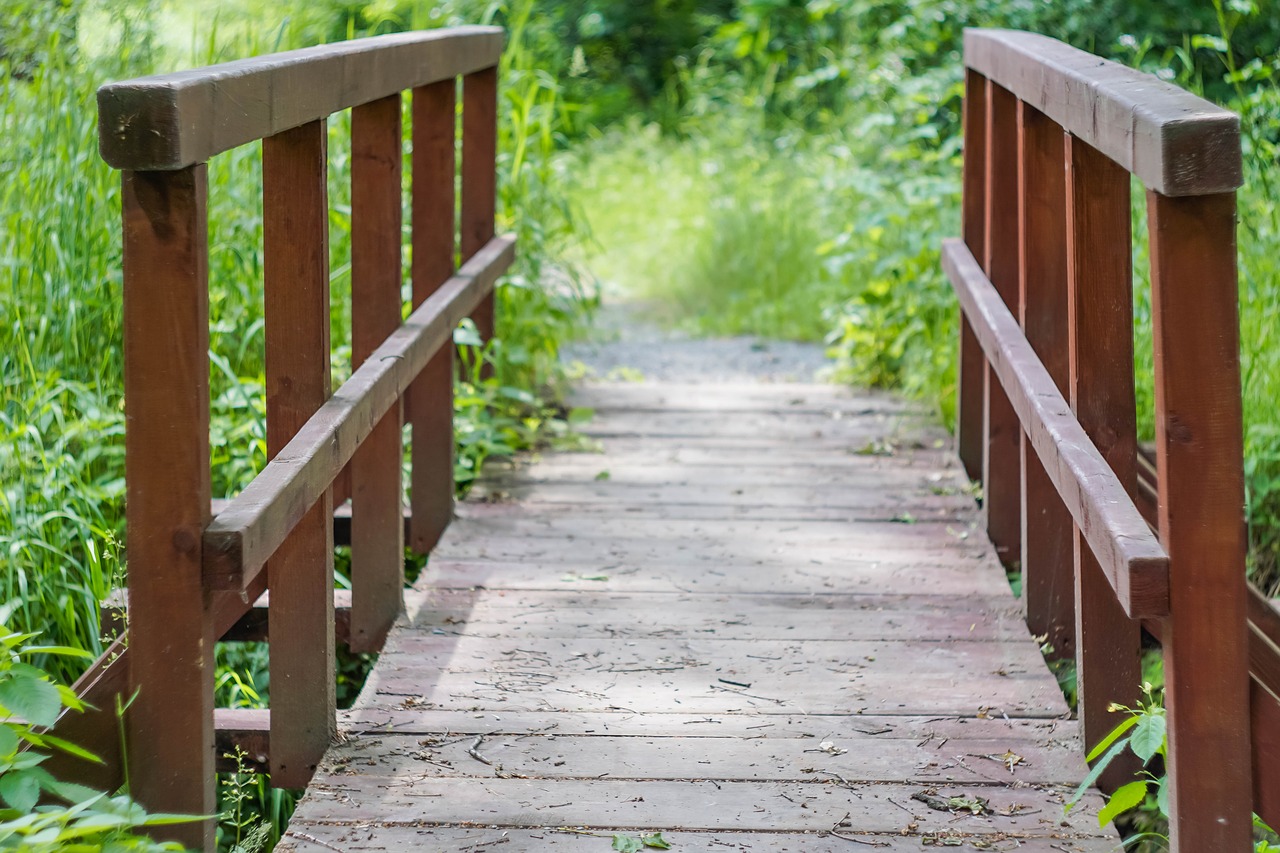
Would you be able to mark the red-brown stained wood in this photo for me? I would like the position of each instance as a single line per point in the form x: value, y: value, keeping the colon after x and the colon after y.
x: 1134, y: 562
x: 1264, y: 721
x: 166, y: 374
x: 971, y: 370
x: 1199, y: 440
x: 430, y: 399
x: 377, y: 517
x: 300, y: 572
x: 1002, y: 474
x: 1100, y: 316
x: 479, y: 177
x: 252, y: 526
x: 1048, y: 591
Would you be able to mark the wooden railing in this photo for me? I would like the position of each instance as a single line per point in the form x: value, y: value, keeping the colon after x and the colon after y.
x: 1107, y: 542
x: 195, y: 578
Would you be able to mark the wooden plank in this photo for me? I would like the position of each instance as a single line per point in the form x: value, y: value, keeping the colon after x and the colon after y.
x: 555, y: 756
x: 318, y: 838
x: 697, y: 805
x: 1134, y: 561
x: 243, y: 740
x: 479, y: 177
x: 1100, y: 344
x: 1177, y: 143
x: 377, y: 518
x: 1199, y: 444
x: 737, y: 397
x: 238, y: 542
x: 1264, y: 722
x: 971, y: 369
x: 430, y: 398
x: 972, y: 577
x: 587, y: 613
x: 1001, y: 461
x: 166, y: 375
x: 1048, y: 591
x: 295, y: 213
x: 170, y: 121
x: 862, y: 431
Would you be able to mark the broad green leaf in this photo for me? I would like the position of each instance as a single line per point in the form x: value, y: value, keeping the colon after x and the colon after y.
x: 1094, y: 772
x: 627, y: 843
x: 8, y: 740
x: 73, y: 792
x: 1162, y: 795
x: 68, y: 747
x: 1148, y: 736
x: 20, y: 790
x: 655, y: 841
x: 1125, y: 798
x: 33, y: 699
x: 1112, y: 736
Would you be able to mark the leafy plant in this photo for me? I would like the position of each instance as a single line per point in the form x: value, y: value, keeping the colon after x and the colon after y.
x: 632, y: 844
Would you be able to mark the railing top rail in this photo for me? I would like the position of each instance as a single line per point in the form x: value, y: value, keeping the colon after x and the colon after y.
x: 171, y: 121
x: 1176, y: 143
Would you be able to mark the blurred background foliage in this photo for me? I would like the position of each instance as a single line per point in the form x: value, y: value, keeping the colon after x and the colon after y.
x: 782, y: 168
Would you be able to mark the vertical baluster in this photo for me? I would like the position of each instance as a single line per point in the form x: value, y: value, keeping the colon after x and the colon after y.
x: 1002, y: 477
x: 300, y: 574
x: 377, y: 516
x: 1199, y: 437
x: 1100, y: 307
x: 1048, y: 590
x: 166, y: 375
x: 479, y: 178
x: 430, y: 401
x: 971, y: 370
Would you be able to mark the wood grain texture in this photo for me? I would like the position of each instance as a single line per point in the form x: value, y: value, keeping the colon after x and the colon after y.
x: 1048, y: 591
x: 170, y: 121
x: 430, y: 398
x: 295, y: 212
x: 251, y: 527
x: 1176, y: 143
x: 971, y: 369
x: 1133, y: 560
x: 1100, y: 349
x: 479, y: 178
x: 377, y: 516
x: 657, y: 671
x: 166, y: 376
x: 1199, y: 441
x: 1001, y: 465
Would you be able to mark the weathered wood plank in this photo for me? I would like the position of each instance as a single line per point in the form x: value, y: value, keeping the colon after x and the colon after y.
x: 971, y: 369
x: 479, y: 185
x: 169, y: 121
x: 741, y: 398
x: 1175, y: 142
x: 318, y: 838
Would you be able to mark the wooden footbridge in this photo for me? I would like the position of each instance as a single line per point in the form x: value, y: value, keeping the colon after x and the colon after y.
x: 764, y: 617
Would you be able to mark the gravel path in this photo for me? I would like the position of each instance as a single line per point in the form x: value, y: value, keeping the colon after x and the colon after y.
x: 623, y: 345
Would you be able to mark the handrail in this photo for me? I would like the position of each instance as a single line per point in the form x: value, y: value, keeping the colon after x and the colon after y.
x: 1133, y: 559
x: 1053, y: 137
x: 240, y: 539
x: 1176, y: 143
x: 193, y: 578
x: 169, y: 121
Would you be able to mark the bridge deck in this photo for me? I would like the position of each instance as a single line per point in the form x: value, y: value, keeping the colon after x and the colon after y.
x: 761, y: 619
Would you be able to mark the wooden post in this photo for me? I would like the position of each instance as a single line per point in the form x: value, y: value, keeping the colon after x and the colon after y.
x: 479, y: 176
x: 377, y: 517
x: 430, y: 400
x: 1100, y: 308
x: 295, y: 214
x: 166, y: 377
x: 1048, y: 590
x: 971, y: 371
x: 1199, y: 441
x: 1002, y: 476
